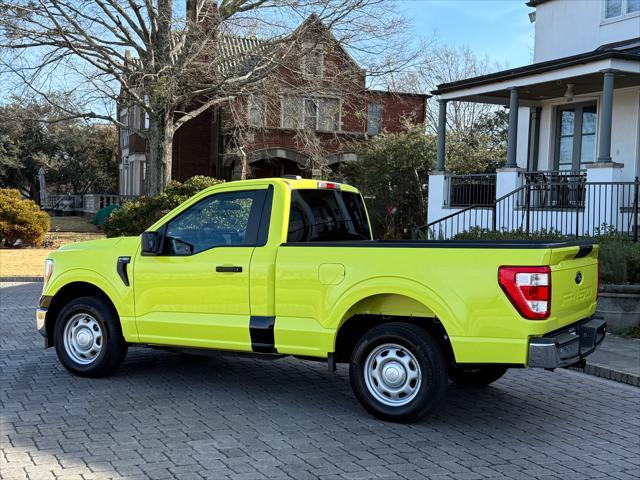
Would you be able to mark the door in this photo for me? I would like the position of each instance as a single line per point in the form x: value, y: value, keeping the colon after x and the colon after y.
x: 195, y: 293
x: 576, y: 136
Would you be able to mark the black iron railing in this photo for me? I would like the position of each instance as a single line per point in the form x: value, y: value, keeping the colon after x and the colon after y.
x: 579, y: 209
x: 474, y: 189
x: 556, y: 176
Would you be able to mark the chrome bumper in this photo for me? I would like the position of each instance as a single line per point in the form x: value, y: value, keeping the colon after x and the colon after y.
x: 567, y: 346
x: 41, y: 321
x: 41, y: 318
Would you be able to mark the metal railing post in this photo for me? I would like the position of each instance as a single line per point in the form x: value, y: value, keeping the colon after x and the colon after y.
x: 494, y: 211
x: 577, y: 217
x: 635, y: 209
x: 527, y: 203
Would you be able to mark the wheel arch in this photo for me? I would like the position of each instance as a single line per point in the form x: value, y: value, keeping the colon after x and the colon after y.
x: 405, y: 301
x: 67, y: 293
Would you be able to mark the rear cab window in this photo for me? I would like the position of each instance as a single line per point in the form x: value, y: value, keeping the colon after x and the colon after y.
x: 327, y: 215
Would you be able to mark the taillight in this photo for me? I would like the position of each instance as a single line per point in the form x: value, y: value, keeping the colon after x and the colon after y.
x: 528, y: 289
x: 329, y: 185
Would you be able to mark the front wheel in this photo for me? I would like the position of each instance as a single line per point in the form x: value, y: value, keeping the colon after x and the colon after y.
x: 88, y: 338
x: 476, y: 376
x: 398, y: 372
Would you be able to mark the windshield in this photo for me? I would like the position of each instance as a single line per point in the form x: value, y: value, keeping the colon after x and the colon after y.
x: 327, y: 215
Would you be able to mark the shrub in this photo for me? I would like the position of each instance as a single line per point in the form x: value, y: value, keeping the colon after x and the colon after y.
x: 135, y: 217
x: 619, y: 256
x: 21, y: 220
x: 477, y: 233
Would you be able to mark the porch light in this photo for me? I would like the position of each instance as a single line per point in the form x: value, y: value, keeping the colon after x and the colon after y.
x: 568, y: 94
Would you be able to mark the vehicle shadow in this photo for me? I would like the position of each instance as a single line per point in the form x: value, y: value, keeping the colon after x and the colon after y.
x: 163, y: 405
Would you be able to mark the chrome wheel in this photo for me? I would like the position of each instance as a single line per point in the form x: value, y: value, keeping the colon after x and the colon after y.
x: 83, y: 338
x: 392, y: 374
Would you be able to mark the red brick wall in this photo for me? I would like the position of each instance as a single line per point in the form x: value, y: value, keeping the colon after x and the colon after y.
x: 192, y: 148
x: 395, y: 107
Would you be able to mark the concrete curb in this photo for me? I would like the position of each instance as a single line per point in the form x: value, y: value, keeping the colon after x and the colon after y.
x: 610, y: 374
x: 22, y: 279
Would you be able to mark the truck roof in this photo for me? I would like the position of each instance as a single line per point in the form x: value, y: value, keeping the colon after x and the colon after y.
x: 297, y: 184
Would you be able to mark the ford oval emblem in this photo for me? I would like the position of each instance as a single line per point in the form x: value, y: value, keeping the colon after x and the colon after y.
x: 578, y: 278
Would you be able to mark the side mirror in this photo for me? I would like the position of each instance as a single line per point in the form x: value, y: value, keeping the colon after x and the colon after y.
x: 150, y: 243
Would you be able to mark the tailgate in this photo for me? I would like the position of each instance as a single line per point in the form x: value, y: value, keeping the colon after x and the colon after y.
x: 574, y: 282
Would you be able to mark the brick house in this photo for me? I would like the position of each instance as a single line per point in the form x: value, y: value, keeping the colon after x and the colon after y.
x: 279, y: 129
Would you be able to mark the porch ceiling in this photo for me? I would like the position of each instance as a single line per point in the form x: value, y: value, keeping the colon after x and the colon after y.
x: 534, y: 93
x: 545, y: 80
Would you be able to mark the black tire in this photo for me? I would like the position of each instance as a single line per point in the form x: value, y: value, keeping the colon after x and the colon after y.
x: 430, y: 390
x: 476, y: 376
x: 97, y: 315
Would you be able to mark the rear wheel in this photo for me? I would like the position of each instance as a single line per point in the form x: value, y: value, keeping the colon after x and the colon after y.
x: 398, y: 372
x: 476, y: 376
x: 88, y: 338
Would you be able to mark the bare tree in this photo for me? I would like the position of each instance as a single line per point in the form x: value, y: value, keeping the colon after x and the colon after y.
x: 176, y: 60
x: 442, y: 64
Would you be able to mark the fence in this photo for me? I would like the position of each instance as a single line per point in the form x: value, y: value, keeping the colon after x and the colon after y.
x: 475, y: 189
x: 87, y: 203
x: 577, y: 208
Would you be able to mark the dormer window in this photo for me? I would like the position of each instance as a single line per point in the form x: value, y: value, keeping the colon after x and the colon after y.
x: 312, y: 63
x: 618, y: 8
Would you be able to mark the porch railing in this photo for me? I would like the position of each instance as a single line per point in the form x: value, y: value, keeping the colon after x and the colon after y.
x: 579, y: 209
x: 474, y: 189
x: 84, y: 203
x: 556, y: 176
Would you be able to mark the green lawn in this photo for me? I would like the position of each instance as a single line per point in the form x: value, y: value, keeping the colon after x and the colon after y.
x: 73, y: 224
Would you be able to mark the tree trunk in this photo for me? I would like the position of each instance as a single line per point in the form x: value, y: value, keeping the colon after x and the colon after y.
x: 159, y: 153
x: 245, y: 164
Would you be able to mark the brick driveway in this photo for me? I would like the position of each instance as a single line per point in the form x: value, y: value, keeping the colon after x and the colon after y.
x: 165, y: 415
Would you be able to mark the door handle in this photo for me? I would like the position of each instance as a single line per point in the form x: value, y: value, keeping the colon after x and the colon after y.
x: 228, y: 269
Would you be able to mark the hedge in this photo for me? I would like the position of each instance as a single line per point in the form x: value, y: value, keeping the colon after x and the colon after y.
x: 22, y: 222
x: 135, y: 217
x: 619, y: 256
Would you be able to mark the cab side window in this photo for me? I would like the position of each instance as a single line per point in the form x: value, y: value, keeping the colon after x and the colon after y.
x: 223, y: 219
x: 327, y: 215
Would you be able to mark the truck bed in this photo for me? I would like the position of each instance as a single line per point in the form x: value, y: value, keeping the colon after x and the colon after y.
x: 501, y: 244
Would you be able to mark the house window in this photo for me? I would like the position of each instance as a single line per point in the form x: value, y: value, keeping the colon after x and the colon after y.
x: 136, y: 121
x: 316, y: 113
x: 146, y: 115
x: 310, y: 113
x: 312, y: 63
x: 374, y: 118
x: 329, y: 116
x: 617, y: 8
x: 576, y: 136
x: 612, y: 8
x: 124, y: 131
x: 257, y: 111
x: 291, y: 112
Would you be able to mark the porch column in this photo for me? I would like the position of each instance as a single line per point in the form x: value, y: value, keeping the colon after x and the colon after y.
x: 442, y: 132
x: 606, y: 117
x: 512, y: 139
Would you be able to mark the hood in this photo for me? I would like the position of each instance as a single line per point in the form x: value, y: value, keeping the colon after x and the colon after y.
x: 103, y: 244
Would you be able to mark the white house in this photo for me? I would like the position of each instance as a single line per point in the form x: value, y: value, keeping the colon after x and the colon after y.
x: 574, y: 129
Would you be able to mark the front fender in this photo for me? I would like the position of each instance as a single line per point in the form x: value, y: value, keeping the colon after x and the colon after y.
x: 120, y: 296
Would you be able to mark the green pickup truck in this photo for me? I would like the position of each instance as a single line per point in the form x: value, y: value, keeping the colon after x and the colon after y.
x: 289, y: 267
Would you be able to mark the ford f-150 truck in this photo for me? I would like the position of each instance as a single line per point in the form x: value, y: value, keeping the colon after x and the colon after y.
x: 289, y: 267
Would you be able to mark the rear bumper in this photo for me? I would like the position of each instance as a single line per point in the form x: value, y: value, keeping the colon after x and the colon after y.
x: 567, y: 346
